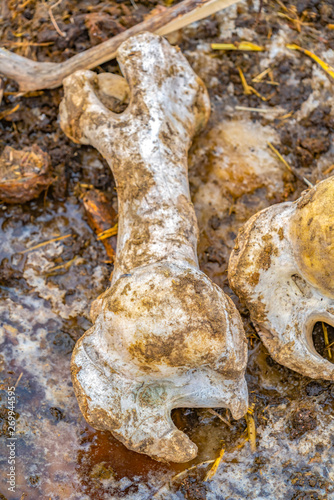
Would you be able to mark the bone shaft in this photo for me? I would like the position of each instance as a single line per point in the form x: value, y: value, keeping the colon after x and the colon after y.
x: 157, y: 219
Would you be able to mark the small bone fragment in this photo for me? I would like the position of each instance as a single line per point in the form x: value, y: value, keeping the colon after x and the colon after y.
x: 282, y: 269
x: 164, y: 336
x: 24, y: 174
x: 101, y: 216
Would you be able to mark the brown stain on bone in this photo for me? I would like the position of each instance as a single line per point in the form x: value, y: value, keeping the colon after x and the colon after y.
x: 312, y: 236
x: 193, y: 342
x: 265, y: 255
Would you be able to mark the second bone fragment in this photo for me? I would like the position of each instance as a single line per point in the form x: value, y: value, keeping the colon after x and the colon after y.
x: 164, y: 335
x: 282, y: 269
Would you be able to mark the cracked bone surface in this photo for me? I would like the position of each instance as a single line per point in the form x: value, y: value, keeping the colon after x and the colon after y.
x: 164, y: 335
x: 282, y: 270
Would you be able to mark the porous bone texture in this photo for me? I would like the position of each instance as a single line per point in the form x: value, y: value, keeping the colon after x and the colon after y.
x: 282, y: 269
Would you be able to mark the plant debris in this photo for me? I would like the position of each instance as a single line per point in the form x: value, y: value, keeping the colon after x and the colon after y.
x: 44, y: 243
x: 212, y: 471
x: 102, y: 219
x: 251, y: 428
x: 291, y: 169
x: 246, y: 46
x: 325, y: 66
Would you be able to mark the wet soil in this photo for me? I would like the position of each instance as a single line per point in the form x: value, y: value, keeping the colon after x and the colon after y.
x: 46, y: 292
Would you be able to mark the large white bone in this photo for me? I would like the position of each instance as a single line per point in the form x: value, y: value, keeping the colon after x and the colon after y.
x: 164, y: 335
x: 282, y: 268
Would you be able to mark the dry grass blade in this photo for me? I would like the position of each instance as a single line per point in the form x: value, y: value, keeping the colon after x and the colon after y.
x: 286, y: 115
x: 258, y: 110
x: 254, y: 91
x: 216, y: 414
x: 212, y: 471
x: 18, y: 380
x: 8, y: 112
x: 251, y: 428
x: 66, y: 265
x: 329, y: 170
x: 258, y: 78
x: 24, y: 4
x: 247, y: 89
x: 325, y: 331
x: 40, y: 245
x: 329, y: 346
x: 244, y: 46
x: 292, y: 170
x: 180, y: 475
x: 325, y: 66
x: 112, y: 231
x: 26, y: 44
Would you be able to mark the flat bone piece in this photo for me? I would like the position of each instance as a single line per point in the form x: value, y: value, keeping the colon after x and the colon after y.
x: 164, y: 336
x: 282, y: 270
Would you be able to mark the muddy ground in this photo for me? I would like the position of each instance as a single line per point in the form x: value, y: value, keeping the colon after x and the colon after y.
x: 45, y: 293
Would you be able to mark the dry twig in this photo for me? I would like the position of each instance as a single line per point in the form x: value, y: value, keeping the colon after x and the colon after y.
x: 216, y: 414
x: 53, y: 20
x: 291, y: 169
x: 33, y: 75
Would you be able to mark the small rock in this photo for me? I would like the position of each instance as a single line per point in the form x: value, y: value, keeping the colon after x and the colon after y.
x: 24, y: 174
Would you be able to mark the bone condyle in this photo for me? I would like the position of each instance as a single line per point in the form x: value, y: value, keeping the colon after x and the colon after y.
x: 164, y: 335
x: 281, y: 268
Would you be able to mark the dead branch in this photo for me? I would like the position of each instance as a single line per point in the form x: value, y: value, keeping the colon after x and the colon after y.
x: 34, y: 75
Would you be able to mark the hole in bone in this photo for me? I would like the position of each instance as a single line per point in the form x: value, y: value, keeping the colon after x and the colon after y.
x: 113, y: 91
x: 319, y: 341
x: 302, y: 286
x: 185, y: 419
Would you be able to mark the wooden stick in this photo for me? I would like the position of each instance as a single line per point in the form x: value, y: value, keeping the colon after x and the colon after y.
x: 34, y: 75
